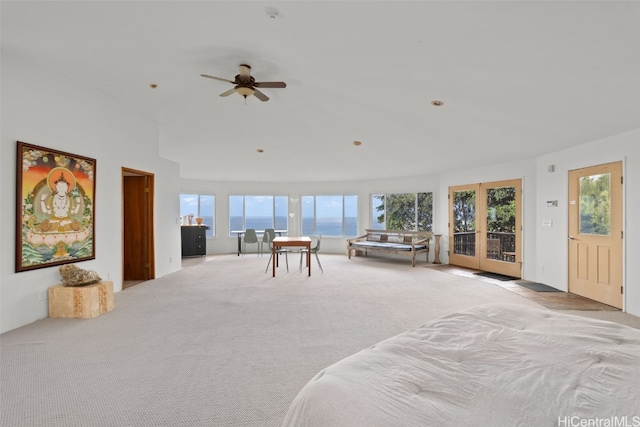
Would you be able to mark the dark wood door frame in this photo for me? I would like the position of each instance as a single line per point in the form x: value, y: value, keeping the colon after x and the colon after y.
x: 138, y: 245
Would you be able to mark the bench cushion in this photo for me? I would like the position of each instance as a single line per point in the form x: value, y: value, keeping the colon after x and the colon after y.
x: 387, y: 246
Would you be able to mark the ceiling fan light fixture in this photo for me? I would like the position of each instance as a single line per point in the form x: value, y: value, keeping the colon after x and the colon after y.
x: 244, y: 91
x: 246, y: 85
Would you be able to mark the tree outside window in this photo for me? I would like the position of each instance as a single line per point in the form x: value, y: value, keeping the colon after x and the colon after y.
x: 595, y: 204
x: 501, y: 210
x: 464, y: 211
x: 402, y: 211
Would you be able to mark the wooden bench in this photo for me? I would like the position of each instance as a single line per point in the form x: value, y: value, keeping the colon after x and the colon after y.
x: 391, y: 242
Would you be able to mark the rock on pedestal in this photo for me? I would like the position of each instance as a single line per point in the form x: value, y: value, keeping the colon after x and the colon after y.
x: 80, y: 302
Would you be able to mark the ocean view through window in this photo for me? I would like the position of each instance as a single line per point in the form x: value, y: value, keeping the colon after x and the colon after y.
x: 335, y: 215
x: 258, y: 212
x: 200, y: 205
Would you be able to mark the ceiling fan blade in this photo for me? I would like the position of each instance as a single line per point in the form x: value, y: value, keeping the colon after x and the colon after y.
x: 229, y: 92
x: 261, y: 96
x: 217, y: 78
x: 271, y: 84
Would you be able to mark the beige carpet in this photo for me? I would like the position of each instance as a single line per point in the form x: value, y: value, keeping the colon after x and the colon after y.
x: 220, y: 343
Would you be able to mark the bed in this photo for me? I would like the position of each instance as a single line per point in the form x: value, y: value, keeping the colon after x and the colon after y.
x: 493, y: 365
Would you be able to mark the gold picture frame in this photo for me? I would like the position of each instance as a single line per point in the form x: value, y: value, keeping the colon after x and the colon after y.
x: 55, y: 218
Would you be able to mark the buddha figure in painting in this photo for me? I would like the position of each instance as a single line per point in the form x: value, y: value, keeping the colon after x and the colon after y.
x: 60, y: 205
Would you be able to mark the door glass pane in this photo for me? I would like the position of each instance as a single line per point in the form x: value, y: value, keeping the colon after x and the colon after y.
x: 501, y: 224
x: 464, y: 222
x: 595, y: 204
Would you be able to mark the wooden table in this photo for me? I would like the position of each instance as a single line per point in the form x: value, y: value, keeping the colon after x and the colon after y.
x: 280, y: 242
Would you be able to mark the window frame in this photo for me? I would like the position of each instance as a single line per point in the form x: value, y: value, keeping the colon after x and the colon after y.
x: 343, y: 217
x: 211, y: 231
x: 375, y: 203
x: 274, y: 210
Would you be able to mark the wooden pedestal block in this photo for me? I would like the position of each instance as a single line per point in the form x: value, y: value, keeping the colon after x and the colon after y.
x: 355, y: 252
x: 80, y: 302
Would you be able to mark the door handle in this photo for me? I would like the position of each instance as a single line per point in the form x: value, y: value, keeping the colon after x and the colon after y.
x: 571, y: 238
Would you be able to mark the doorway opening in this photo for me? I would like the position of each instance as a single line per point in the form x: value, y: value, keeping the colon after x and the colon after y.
x: 138, y: 248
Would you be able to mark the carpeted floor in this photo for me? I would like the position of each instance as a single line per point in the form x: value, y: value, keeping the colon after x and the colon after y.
x: 220, y: 343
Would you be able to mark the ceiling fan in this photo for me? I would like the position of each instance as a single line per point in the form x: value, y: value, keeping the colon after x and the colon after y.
x: 246, y: 85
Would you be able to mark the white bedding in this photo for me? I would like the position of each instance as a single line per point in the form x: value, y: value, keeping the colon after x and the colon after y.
x: 494, y: 365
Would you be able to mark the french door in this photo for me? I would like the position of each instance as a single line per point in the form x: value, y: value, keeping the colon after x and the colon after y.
x: 485, y: 230
x: 595, y: 233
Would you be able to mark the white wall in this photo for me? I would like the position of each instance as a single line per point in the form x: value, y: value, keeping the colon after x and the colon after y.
x: 41, y: 109
x: 524, y: 170
x: 53, y: 112
x: 224, y: 243
x: 544, y: 248
x: 552, y: 248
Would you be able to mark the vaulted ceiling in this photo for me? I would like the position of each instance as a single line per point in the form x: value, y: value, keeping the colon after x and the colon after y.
x: 517, y: 79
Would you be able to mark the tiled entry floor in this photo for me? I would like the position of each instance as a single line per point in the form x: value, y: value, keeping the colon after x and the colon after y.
x: 552, y: 300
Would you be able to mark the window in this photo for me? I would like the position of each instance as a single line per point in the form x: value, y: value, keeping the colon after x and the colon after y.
x: 330, y: 215
x: 402, y: 211
x: 258, y: 212
x: 200, y: 205
x: 595, y: 204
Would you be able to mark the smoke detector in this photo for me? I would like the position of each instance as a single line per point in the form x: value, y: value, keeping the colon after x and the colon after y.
x: 272, y: 12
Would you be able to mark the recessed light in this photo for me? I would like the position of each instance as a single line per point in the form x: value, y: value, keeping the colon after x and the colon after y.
x: 357, y: 143
x: 437, y: 103
x: 153, y: 85
x: 260, y: 150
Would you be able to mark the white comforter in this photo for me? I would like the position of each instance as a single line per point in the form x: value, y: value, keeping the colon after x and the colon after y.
x: 494, y: 365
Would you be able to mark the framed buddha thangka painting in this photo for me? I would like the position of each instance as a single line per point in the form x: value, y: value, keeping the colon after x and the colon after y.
x: 55, y: 207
